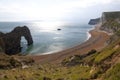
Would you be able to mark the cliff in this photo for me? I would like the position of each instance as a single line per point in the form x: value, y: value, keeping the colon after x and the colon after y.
x: 110, y: 21
x: 94, y: 21
x: 107, y: 16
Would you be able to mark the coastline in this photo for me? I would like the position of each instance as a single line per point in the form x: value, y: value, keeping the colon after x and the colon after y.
x: 52, y: 52
x: 96, y: 41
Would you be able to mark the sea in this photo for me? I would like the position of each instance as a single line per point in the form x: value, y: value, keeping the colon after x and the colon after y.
x: 46, y: 36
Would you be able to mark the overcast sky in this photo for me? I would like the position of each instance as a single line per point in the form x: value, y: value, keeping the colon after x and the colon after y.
x: 68, y: 10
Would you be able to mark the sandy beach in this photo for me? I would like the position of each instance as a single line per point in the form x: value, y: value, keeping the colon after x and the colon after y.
x: 96, y: 41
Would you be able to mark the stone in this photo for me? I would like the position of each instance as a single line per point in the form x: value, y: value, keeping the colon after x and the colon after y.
x: 58, y: 29
x: 10, y: 42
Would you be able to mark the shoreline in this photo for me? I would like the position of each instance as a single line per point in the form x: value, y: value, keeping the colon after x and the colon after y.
x: 96, y: 41
x: 52, y: 52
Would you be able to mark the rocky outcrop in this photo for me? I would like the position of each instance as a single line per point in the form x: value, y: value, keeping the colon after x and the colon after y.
x: 94, y: 21
x: 110, y: 21
x: 10, y: 42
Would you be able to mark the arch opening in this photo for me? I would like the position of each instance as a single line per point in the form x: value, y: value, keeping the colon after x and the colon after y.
x: 23, y: 44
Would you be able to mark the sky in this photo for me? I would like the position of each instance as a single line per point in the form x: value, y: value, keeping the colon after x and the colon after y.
x: 62, y: 10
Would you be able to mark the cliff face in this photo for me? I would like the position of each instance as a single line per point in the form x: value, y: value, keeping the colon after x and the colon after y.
x: 10, y: 42
x: 107, y: 16
x: 94, y: 21
x: 110, y: 22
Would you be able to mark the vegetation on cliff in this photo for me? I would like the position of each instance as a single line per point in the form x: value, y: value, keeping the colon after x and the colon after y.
x: 110, y: 21
x: 111, y: 15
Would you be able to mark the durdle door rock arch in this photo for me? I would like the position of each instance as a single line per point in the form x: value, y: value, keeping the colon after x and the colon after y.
x: 10, y: 42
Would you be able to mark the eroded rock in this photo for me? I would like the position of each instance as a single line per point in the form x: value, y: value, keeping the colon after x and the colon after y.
x: 10, y: 42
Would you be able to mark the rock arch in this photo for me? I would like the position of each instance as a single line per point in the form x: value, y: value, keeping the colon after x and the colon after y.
x: 10, y: 42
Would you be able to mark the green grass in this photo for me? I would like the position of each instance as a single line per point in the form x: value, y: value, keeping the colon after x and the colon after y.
x: 107, y: 52
x: 113, y: 73
x: 90, y: 59
x: 103, y: 55
x: 53, y: 72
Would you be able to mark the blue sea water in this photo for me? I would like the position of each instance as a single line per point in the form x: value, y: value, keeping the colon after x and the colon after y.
x: 47, y: 38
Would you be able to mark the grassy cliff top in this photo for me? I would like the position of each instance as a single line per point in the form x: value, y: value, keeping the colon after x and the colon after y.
x: 112, y: 15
